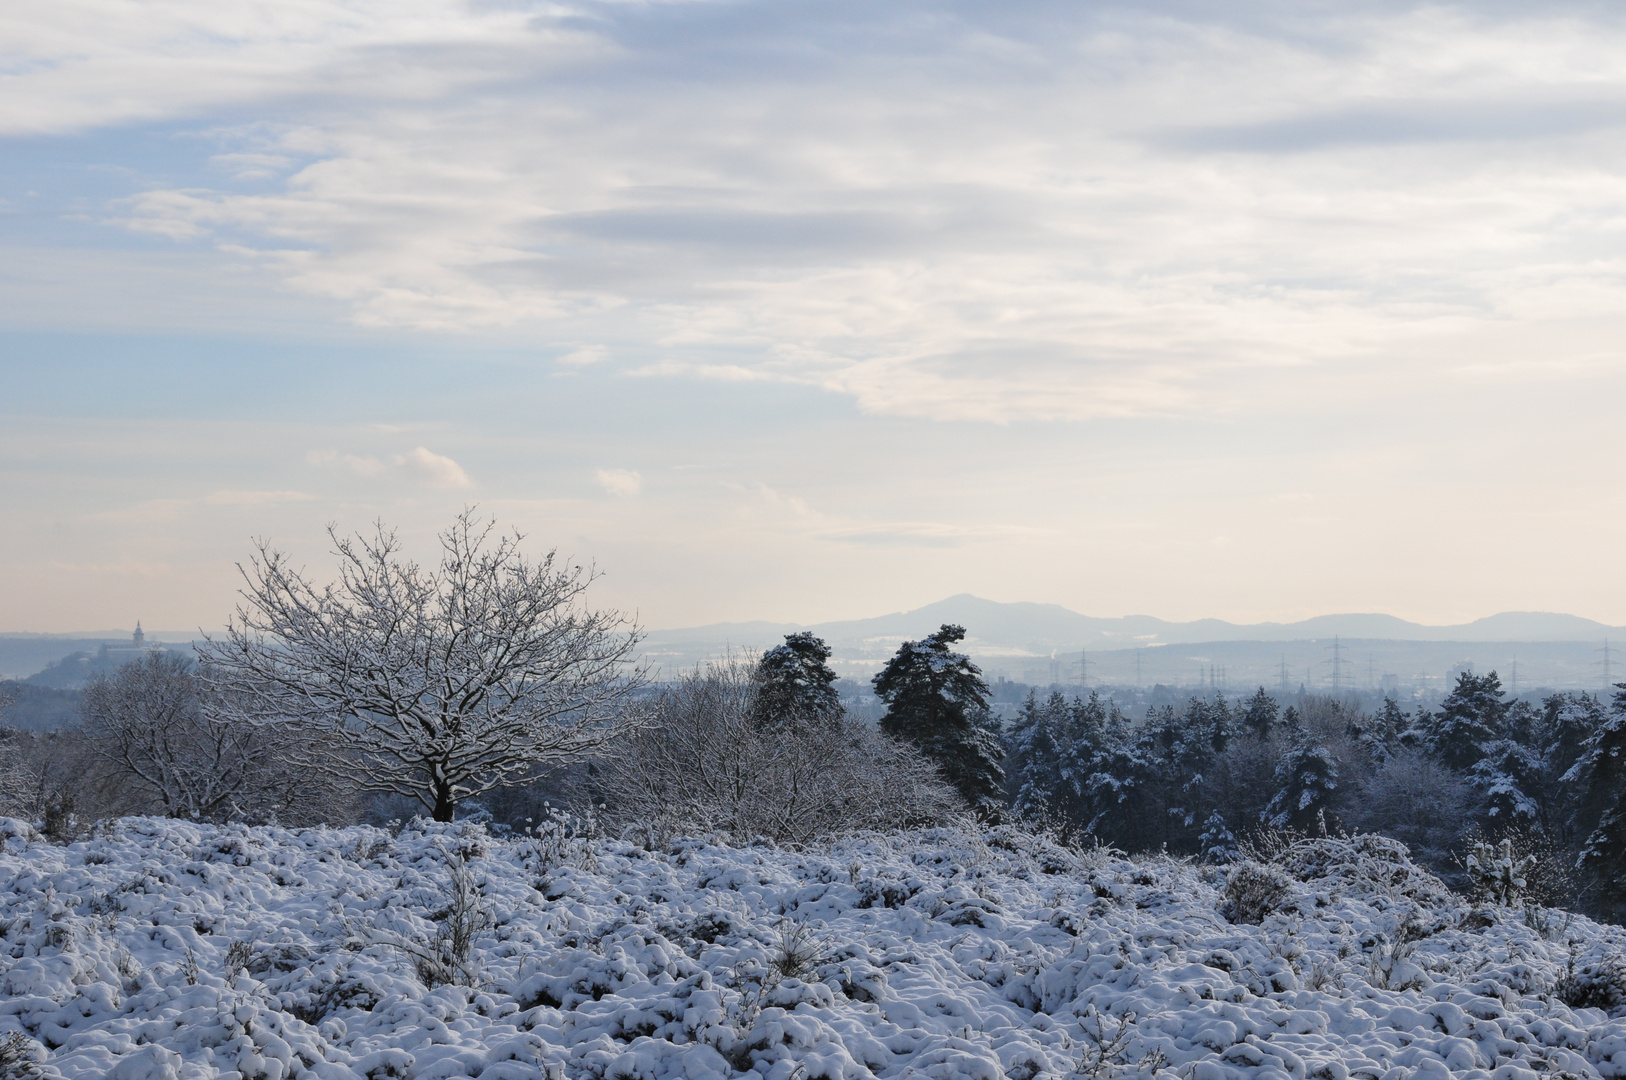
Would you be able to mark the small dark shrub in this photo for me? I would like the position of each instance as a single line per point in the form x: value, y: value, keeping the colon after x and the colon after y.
x: 1253, y: 891
x: 1600, y: 984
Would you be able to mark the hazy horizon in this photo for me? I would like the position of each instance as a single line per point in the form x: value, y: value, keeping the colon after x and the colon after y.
x: 803, y: 313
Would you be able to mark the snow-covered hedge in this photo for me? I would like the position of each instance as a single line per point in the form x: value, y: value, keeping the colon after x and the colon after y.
x: 167, y: 950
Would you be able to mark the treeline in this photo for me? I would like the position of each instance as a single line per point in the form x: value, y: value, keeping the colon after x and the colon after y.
x: 1196, y: 780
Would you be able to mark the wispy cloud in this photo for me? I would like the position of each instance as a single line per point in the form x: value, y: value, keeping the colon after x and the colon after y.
x: 421, y: 466
x: 621, y: 482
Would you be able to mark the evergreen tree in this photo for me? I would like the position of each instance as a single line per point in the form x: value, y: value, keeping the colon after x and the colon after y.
x: 1217, y: 844
x: 1261, y: 716
x: 937, y: 700
x: 795, y: 684
x: 1180, y: 749
x: 1124, y: 790
x: 1211, y: 718
x: 1390, y: 721
x: 1054, y: 751
x: 1603, y: 861
x: 1033, y: 759
x: 1505, y: 774
x: 1472, y: 715
x: 1307, y: 779
x: 1566, y: 727
x: 1569, y: 721
x: 1601, y: 768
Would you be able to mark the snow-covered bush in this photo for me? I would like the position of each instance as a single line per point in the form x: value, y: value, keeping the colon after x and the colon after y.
x: 708, y: 764
x: 1364, y: 865
x: 447, y: 954
x: 21, y: 1058
x: 1497, y: 874
x: 1596, y: 984
x: 1254, y: 891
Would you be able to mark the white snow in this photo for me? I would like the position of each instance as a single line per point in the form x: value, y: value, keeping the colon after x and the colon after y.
x: 943, y: 954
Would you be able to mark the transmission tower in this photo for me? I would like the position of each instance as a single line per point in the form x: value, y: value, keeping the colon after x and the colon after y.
x: 1083, y: 667
x: 1284, y: 674
x: 1337, y: 663
x: 1607, y: 663
x: 1137, y: 668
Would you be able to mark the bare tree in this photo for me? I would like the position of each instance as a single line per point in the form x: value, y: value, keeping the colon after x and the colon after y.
x: 708, y: 762
x: 149, y: 723
x: 444, y: 683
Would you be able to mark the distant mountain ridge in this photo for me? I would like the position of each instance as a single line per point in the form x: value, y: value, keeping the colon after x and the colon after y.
x: 996, y: 628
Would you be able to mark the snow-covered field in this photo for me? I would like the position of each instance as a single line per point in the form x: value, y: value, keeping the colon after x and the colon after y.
x: 164, y: 949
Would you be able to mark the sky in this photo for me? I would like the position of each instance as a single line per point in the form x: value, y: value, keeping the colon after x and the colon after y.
x: 794, y: 311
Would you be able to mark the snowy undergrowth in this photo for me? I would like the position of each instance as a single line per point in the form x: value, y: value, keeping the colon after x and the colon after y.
x: 165, y: 949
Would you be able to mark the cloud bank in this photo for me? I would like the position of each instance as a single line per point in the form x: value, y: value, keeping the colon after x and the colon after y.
x: 948, y: 211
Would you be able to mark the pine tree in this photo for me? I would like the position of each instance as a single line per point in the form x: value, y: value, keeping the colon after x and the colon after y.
x: 1569, y: 722
x: 1602, y: 769
x: 1505, y: 774
x: 1390, y: 721
x: 1217, y: 844
x: 1566, y: 727
x: 1181, y: 746
x: 937, y: 700
x: 1308, y: 778
x: 1124, y: 790
x: 1472, y: 715
x: 1261, y: 716
x: 1603, y: 861
x: 795, y: 684
x: 1032, y: 760
x: 1212, y: 719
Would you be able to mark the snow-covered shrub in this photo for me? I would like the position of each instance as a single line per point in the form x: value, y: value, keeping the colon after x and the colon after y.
x: 562, y: 839
x: 1103, y: 1046
x: 1255, y: 890
x: 21, y: 1058
x: 1598, y: 984
x: 447, y: 955
x: 796, y: 951
x: 1364, y: 865
x: 708, y: 764
x: 1497, y: 874
x: 1390, y: 965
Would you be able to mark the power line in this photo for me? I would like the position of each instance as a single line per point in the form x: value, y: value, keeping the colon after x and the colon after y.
x: 1337, y: 663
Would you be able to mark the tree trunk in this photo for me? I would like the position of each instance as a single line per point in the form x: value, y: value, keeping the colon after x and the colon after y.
x: 445, y: 808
